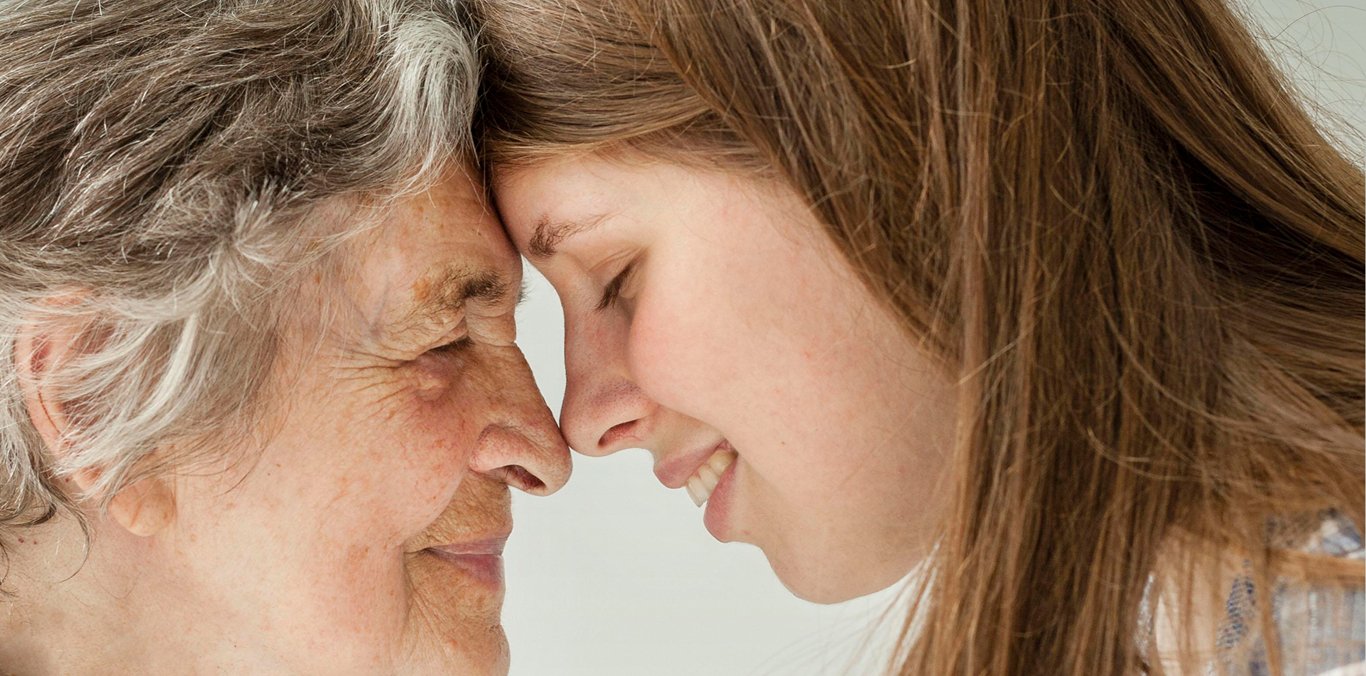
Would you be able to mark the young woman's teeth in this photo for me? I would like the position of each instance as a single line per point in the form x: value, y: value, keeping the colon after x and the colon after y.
x: 703, y: 482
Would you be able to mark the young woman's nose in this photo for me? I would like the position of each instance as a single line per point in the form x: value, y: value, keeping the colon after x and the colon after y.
x: 604, y: 412
x: 520, y: 444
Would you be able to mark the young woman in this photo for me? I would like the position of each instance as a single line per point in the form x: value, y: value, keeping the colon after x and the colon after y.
x: 1060, y: 300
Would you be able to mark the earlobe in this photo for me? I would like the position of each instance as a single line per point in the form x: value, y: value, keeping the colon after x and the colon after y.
x: 144, y: 508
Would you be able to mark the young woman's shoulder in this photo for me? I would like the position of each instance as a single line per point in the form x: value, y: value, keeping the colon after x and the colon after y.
x: 1322, y: 626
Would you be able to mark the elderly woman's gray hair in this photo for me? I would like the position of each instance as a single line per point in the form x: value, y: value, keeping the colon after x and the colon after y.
x: 168, y: 169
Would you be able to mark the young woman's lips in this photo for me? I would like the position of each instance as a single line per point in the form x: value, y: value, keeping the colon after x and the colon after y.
x: 717, y: 518
x: 674, y: 472
x: 480, y: 560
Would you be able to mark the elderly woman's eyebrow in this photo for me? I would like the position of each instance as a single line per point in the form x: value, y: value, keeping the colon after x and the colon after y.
x: 443, y: 295
x: 453, y: 288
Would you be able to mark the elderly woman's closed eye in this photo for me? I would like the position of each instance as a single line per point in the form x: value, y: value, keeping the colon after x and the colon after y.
x: 261, y: 404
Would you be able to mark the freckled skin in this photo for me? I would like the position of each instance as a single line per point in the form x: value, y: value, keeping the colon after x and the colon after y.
x: 387, y: 450
x: 308, y: 557
x: 741, y: 322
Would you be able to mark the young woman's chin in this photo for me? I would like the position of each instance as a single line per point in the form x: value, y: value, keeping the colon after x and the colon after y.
x: 811, y: 580
x: 825, y: 575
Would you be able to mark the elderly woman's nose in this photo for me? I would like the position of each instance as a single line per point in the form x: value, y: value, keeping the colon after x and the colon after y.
x: 520, y: 443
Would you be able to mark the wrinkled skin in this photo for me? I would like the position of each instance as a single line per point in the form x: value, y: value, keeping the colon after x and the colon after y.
x: 312, y: 556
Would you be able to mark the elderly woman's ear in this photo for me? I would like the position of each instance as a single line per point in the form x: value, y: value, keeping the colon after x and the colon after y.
x: 41, y: 349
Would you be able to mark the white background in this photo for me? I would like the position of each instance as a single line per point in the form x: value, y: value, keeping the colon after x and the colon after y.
x: 615, y: 575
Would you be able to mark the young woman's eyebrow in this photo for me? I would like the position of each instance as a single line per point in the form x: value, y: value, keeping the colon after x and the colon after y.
x: 549, y: 234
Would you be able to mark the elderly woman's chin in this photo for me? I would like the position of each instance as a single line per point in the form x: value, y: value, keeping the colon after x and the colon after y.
x: 454, y: 572
x: 455, y: 620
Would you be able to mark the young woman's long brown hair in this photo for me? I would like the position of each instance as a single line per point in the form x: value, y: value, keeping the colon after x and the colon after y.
x: 1112, y: 219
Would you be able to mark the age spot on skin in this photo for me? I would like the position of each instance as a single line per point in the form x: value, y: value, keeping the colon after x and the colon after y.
x: 422, y: 290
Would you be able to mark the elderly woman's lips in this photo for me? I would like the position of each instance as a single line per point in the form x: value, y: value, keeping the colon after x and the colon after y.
x: 481, y: 560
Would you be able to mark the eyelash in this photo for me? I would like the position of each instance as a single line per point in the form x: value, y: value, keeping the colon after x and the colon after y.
x: 612, y: 292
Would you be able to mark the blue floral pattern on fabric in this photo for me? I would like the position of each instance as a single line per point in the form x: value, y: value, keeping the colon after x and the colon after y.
x: 1322, y: 628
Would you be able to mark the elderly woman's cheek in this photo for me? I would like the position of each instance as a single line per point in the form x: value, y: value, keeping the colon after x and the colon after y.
x: 431, y: 377
x: 425, y: 441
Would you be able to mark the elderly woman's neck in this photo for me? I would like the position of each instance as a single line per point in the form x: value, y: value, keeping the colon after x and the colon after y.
x: 57, y: 616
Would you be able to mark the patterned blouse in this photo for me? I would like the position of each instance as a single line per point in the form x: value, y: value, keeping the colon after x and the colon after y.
x: 1322, y: 629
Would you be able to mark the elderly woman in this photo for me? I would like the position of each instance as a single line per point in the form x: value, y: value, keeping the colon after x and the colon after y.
x: 261, y: 402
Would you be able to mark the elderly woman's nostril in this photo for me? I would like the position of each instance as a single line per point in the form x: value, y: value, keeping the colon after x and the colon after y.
x: 533, y: 460
x: 518, y: 477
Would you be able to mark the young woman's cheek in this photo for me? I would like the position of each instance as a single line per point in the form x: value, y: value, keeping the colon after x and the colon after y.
x: 668, y: 344
x: 655, y: 360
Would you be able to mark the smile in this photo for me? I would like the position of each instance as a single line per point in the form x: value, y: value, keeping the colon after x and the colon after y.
x: 704, y: 480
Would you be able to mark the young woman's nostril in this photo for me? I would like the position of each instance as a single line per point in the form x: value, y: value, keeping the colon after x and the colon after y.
x: 616, y: 434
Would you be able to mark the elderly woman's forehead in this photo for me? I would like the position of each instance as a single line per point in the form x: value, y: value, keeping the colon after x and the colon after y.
x: 450, y: 222
x: 434, y: 252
